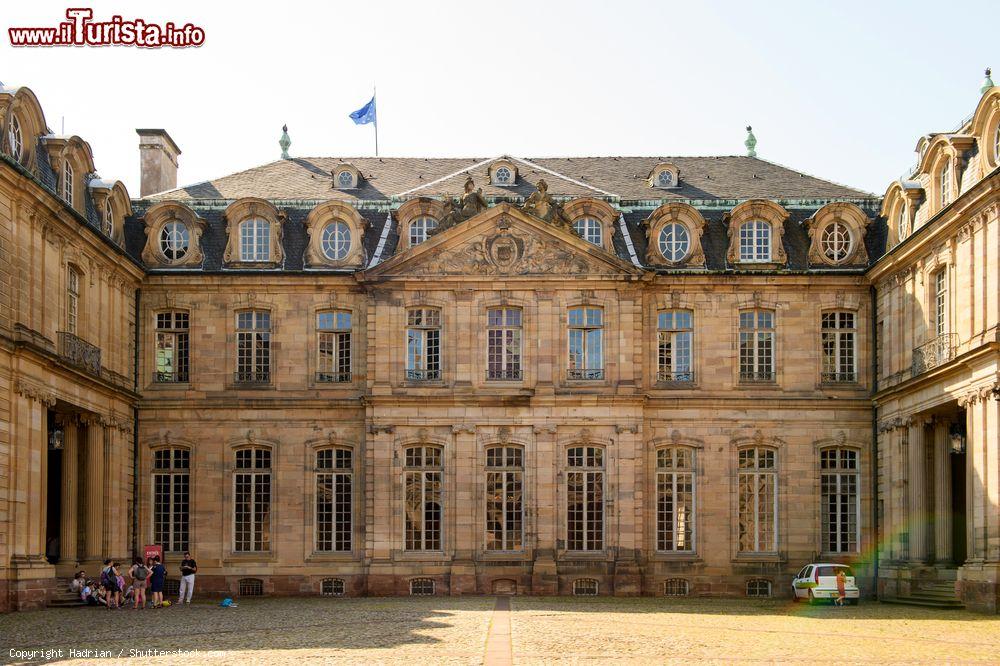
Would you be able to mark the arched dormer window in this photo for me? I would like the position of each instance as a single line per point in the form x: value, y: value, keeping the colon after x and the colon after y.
x: 944, y: 183
x: 836, y: 234
x: 664, y: 176
x: 15, y: 138
x: 593, y: 220
x: 255, y: 240
x: 335, y: 232
x: 417, y: 219
x: 503, y: 172
x: 903, y: 222
x: 756, y: 232
x: 755, y: 242
x: 345, y: 176
x: 589, y: 229
x: 173, y: 234
x: 255, y: 231
x: 66, y: 182
x: 420, y: 229
x: 674, y: 233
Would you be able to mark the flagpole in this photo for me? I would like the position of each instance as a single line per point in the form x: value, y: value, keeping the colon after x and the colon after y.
x: 376, y: 120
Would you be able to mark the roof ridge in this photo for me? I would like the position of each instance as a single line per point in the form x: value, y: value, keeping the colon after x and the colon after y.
x: 806, y: 173
x: 564, y: 177
x: 212, y: 180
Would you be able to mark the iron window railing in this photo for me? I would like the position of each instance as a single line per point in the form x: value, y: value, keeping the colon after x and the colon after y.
x: 846, y: 377
x: 503, y: 374
x: 80, y: 353
x: 177, y: 377
x: 585, y: 374
x: 415, y: 375
x: 685, y: 376
x: 765, y: 376
x: 252, y: 377
x: 333, y: 377
x: 937, y: 351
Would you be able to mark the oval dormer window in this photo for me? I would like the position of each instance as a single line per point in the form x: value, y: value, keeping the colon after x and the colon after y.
x: 336, y: 240
x: 665, y: 178
x: 503, y: 176
x: 345, y: 180
x: 674, y: 241
x: 174, y: 241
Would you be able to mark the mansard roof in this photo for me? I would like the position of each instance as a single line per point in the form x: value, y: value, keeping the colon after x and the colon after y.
x: 622, y: 178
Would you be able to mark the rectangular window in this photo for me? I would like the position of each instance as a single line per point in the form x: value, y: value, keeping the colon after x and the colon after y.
x: 941, y: 303
x: 675, y: 499
x: 423, y: 498
x: 503, y: 353
x: 253, y: 347
x: 423, y: 344
x: 674, y: 331
x: 839, y: 479
x: 758, y: 500
x: 757, y: 346
x: 252, y: 501
x: 504, y: 506
x: 171, y: 498
x: 66, y: 182
x: 585, y: 498
x: 334, y: 514
x: 72, y: 300
x: 333, y: 344
x: 172, y: 347
x: 255, y: 240
x: 755, y: 242
x: 586, y: 343
x: 838, y: 338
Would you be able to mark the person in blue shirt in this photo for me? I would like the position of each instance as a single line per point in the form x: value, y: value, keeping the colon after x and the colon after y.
x: 156, y: 580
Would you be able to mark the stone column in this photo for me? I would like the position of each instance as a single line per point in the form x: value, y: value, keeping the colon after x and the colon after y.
x: 917, y: 493
x: 94, y: 473
x: 942, y: 494
x: 465, y: 539
x: 546, y: 461
x: 69, y: 518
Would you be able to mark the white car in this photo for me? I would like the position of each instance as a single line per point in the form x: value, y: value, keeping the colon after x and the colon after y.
x: 819, y: 581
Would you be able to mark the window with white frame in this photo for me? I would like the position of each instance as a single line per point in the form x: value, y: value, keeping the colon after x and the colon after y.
x: 665, y: 178
x: 108, y: 220
x: 72, y: 299
x: 945, y: 183
x: 503, y: 176
x: 757, y: 483
x: 172, y: 346
x: 423, y: 344
x: 585, y: 498
x: 674, y: 241
x: 941, y: 302
x: 675, y: 499
x: 839, y: 334
x: 996, y: 145
x: 421, y: 228
x: 503, y: 340
x: 345, y: 180
x: 252, y: 500
x: 335, y: 241
x: 15, y: 140
x: 903, y: 223
x: 171, y: 498
x: 839, y: 499
x: 66, y: 182
x: 836, y: 242
x: 586, y: 343
x: 504, y: 498
x: 423, y: 508
x: 333, y: 346
x: 757, y: 345
x: 255, y: 240
x: 589, y: 230
x: 334, y: 500
x: 174, y: 240
x: 755, y: 241
x: 674, y: 331
x: 253, y: 347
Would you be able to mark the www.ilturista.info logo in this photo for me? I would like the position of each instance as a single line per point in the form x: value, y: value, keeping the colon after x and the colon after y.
x: 81, y: 30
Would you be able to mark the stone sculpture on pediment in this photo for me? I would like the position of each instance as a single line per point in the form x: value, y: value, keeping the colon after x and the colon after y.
x: 542, y: 205
x: 473, y: 203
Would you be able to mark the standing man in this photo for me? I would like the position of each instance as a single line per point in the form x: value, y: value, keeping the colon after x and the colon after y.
x: 188, y: 569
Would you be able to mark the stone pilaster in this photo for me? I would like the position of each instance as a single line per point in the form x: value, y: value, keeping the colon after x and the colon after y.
x: 917, y: 485
x: 628, y: 574
x: 69, y: 516
x: 93, y: 475
x: 379, y: 499
x: 942, y: 494
x: 463, y: 570
x: 544, y: 578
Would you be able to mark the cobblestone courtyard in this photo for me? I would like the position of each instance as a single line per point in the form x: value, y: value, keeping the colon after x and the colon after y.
x: 474, y: 630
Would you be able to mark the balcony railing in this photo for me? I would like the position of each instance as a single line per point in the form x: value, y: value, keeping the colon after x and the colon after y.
x: 252, y: 377
x: 178, y: 377
x: 423, y: 375
x: 683, y: 376
x: 333, y: 377
x: 503, y: 375
x: 937, y: 352
x: 847, y: 377
x: 585, y: 374
x: 766, y: 376
x: 80, y: 353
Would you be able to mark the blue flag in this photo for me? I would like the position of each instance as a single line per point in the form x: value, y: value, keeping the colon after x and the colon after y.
x: 365, y: 114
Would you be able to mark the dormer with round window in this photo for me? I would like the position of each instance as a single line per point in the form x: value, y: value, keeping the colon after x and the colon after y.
x: 336, y: 232
x: 417, y: 219
x: 673, y: 233
x: 665, y: 176
x: 836, y: 235
x: 21, y: 123
x: 503, y: 173
x: 173, y: 236
x: 593, y: 220
x: 346, y: 177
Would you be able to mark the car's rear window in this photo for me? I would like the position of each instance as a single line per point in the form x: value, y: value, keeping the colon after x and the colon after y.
x: 832, y: 571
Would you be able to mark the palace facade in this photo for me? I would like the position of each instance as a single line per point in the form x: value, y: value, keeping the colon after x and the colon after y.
x: 615, y: 375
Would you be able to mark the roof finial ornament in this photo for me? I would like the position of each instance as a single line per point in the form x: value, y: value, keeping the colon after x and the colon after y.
x: 285, y: 141
x: 750, y: 143
x: 987, y: 82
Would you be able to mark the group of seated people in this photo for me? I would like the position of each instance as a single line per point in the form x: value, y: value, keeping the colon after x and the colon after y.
x: 110, y: 590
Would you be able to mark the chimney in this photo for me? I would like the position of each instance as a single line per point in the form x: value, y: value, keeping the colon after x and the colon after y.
x: 157, y: 161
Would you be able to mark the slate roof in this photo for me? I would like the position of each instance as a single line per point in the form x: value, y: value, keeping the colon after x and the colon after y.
x: 701, y: 178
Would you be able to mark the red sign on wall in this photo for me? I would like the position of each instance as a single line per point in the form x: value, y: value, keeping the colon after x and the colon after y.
x: 154, y: 550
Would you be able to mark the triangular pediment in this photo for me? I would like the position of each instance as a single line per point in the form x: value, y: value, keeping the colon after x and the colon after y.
x: 504, y: 241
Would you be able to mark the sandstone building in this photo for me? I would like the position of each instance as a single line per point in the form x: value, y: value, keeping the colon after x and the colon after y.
x: 615, y: 375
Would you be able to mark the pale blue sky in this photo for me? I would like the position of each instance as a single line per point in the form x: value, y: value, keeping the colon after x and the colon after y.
x: 841, y: 90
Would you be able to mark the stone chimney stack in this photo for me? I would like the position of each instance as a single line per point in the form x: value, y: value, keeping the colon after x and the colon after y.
x: 157, y: 161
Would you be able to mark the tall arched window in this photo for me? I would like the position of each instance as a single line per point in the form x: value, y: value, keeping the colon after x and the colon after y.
x: 903, y: 222
x: 72, y: 299
x: 589, y: 230
x: 945, y: 183
x: 66, y: 182
x: 504, y: 501
x: 422, y: 496
x: 334, y: 500
x: 840, y: 500
x: 255, y: 240
x: 15, y: 140
x: 420, y: 229
x: 675, y: 499
x: 755, y: 241
x: 758, y: 500
x: 585, y: 498
x: 171, y: 498
x: 252, y: 500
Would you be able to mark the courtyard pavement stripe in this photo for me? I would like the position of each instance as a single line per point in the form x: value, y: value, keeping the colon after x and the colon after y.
x: 498, y: 648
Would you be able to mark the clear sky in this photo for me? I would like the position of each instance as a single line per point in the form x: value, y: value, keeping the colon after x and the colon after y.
x: 841, y: 90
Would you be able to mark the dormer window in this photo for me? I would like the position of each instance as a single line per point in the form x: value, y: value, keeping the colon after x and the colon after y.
x: 504, y: 176
x: 345, y: 180
x: 345, y: 177
x: 589, y: 230
x: 108, y: 222
x: 255, y: 240
x: 836, y: 242
x: 503, y: 173
x: 665, y: 179
x: 755, y: 242
x: 15, y: 140
x: 420, y: 229
x: 174, y: 241
x: 664, y: 176
x: 674, y: 241
x: 66, y: 183
x: 903, y: 224
x: 336, y: 240
x: 945, y: 183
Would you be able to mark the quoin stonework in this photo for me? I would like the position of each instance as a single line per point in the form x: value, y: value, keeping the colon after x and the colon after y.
x: 607, y: 375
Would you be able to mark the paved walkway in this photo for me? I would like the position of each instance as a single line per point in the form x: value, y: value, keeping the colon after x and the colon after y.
x: 498, y: 648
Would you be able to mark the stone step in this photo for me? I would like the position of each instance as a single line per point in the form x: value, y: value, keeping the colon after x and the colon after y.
x: 929, y: 603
